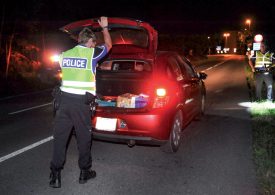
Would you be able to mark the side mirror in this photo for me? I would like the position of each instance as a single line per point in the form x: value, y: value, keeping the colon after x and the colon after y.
x: 202, y: 75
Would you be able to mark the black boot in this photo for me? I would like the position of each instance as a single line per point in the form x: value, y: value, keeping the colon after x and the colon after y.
x: 55, y: 179
x: 85, y: 175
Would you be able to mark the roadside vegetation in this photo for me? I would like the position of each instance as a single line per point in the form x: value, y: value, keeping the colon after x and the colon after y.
x: 263, y: 129
x: 19, y: 85
x: 263, y: 125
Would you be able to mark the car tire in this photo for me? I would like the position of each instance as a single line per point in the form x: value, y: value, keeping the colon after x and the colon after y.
x: 172, y: 145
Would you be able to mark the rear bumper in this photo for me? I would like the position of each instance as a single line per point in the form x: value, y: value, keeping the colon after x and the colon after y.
x: 146, y: 127
x: 127, y: 139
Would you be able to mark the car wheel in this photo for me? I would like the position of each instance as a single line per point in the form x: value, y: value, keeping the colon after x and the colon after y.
x: 173, y: 143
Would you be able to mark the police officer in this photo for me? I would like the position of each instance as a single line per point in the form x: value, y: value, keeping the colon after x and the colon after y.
x: 261, y: 63
x: 77, y: 91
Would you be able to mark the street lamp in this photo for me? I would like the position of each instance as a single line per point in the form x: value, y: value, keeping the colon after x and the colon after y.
x: 226, y: 35
x: 248, y: 22
x: 209, y: 50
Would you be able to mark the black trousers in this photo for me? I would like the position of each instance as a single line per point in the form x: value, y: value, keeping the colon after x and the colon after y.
x: 260, y: 78
x: 72, y: 112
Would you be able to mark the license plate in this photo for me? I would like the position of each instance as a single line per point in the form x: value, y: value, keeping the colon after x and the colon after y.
x: 106, y: 124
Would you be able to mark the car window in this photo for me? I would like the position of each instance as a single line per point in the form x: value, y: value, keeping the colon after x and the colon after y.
x: 125, y: 65
x: 174, y: 70
x: 192, y: 68
x: 185, y: 73
x: 106, y: 65
x: 187, y: 68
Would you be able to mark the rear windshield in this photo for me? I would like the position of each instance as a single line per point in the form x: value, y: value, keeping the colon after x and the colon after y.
x: 121, y: 36
x: 125, y: 66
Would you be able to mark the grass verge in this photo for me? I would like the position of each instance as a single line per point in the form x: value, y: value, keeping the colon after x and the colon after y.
x: 263, y: 129
x: 263, y: 126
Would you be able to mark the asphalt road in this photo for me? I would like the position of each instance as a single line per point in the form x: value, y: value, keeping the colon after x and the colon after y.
x: 215, y: 156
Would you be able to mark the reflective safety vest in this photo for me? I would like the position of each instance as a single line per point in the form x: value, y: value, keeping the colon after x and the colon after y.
x: 263, y: 61
x: 77, y: 74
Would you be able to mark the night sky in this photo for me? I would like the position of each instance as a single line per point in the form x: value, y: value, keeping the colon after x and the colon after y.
x: 173, y: 16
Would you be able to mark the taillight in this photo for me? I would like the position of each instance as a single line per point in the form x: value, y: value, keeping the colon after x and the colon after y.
x: 161, y: 98
x: 161, y: 92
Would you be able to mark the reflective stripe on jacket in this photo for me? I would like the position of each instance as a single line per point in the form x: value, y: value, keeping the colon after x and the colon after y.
x: 263, y: 61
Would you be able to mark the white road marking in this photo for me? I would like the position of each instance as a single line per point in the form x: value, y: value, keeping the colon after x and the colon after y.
x: 208, y: 69
x: 30, y: 108
x: 24, y: 94
x: 2, y: 159
x: 188, y: 101
x: 219, y: 91
x: 215, y: 65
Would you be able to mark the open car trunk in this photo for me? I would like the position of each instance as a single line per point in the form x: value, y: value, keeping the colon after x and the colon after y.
x: 122, y: 84
x: 122, y: 81
x: 128, y: 36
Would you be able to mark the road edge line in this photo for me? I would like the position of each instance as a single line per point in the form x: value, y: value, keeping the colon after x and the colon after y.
x: 23, y: 110
x: 2, y: 159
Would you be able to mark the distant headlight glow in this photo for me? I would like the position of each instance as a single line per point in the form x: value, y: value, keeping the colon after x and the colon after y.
x: 55, y: 58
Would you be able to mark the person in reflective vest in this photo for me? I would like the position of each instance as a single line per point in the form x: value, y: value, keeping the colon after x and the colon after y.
x: 261, y: 63
x: 77, y: 91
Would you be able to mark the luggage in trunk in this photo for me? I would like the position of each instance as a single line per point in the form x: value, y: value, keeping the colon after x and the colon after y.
x: 123, y: 83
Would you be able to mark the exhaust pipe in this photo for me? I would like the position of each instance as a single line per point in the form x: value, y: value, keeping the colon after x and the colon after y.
x: 131, y: 143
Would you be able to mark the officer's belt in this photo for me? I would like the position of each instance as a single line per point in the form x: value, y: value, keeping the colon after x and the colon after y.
x: 71, y: 95
x: 261, y: 71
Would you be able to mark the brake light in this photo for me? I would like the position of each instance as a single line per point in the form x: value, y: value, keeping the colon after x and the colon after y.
x: 161, y: 92
x: 161, y: 99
